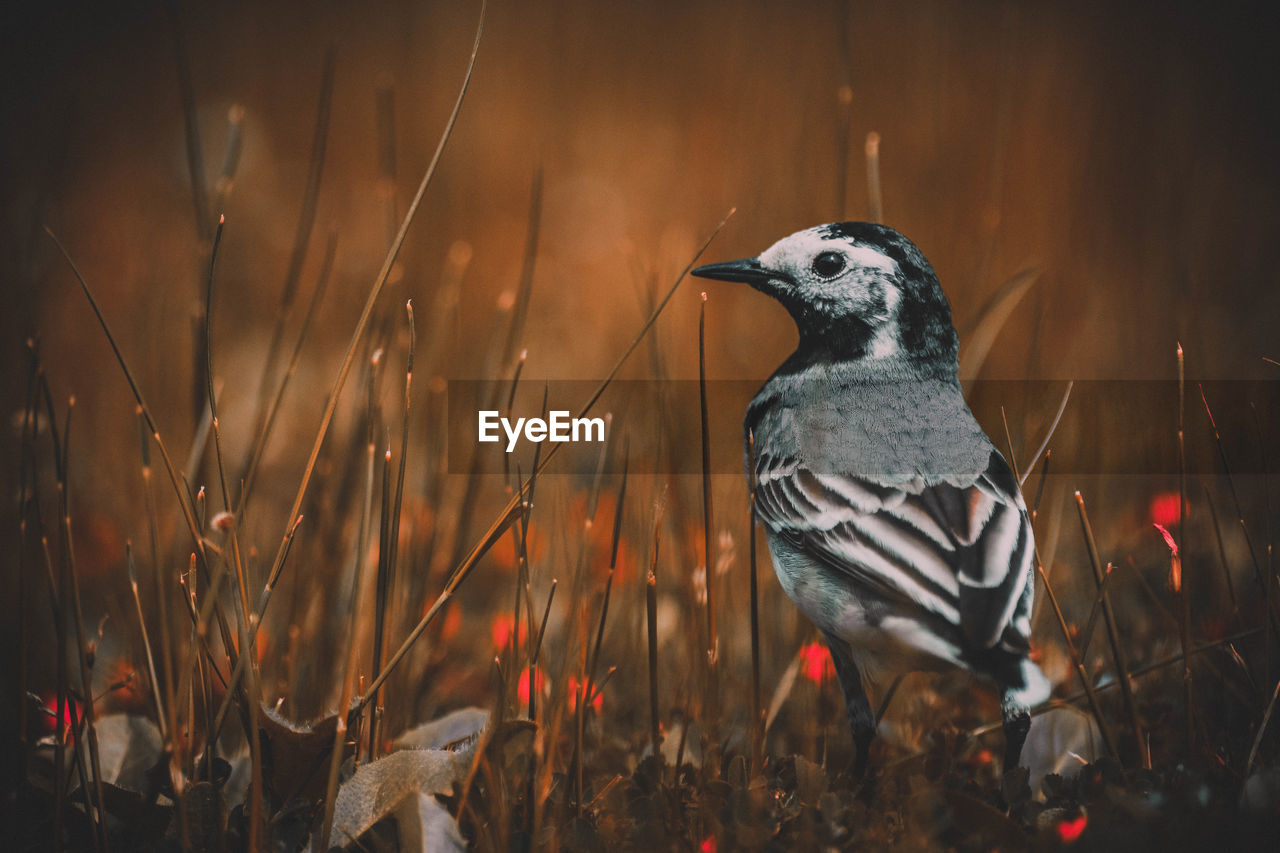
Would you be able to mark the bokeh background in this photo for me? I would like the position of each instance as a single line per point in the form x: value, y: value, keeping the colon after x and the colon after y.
x: 1126, y: 150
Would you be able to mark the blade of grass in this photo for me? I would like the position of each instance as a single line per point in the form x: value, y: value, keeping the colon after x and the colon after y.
x: 231, y: 159
x: 1087, y: 634
x: 651, y: 618
x: 520, y: 310
x: 381, y: 576
x: 981, y: 336
x: 82, y: 650
x: 584, y: 688
x: 1044, y: 476
x: 711, y: 700
x: 363, y: 322
x: 236, y: 673
x: 358, y: 592
x: 1175, y: 561
x: 1043, y: 451
x: 1235, y: 499
x: 249, y: 708
x: 593, y: 668
x: 511, y: 399
x: 1266, y: 497
x: 1077, y: 658
x: 757, y: 721
x: 162, y: 592
x: 161, y: 721
x: 58, y: 613
x: 194, y: 149
x: 1262, y: 729
x: 385, y: 581
x: 26, y: 468
x: 875, y: 203
x: 542, y: 631
x: 1222, y: 553
x: 201, y: 439
x: 1113, y: 635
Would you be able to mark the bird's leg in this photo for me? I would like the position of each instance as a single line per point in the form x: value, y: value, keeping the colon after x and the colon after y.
x: 861, y: 718
x: 1017, y: 722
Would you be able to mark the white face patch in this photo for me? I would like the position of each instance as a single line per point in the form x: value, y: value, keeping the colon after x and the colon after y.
x: 869, y: 258
x: 864, y: 288
x: 794, y: 254
x: 884, y: 342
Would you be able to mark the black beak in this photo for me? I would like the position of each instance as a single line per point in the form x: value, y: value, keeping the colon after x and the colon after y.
x: 747, y: 270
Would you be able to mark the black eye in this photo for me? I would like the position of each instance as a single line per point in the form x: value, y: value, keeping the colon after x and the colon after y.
x: 828, y: 264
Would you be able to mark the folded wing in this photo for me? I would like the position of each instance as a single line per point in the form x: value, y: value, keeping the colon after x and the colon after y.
x: 961, y: 551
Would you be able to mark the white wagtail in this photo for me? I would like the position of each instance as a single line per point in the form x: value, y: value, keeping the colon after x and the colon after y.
x: 893, y: 522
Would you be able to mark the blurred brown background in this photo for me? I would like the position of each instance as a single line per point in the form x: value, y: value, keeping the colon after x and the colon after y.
x: 1126, y: 149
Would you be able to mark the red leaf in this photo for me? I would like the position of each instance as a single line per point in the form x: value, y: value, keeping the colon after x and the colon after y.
x: 815, y: 662
x: 1070, y: 830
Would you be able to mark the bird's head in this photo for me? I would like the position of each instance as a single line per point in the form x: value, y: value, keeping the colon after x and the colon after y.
x: 857, y: 290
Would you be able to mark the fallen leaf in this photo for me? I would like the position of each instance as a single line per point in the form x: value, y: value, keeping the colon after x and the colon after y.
x: 379, y: 789
x: 439, y: 733
x: 128, y: 747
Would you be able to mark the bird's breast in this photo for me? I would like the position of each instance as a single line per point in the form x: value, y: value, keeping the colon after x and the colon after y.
x: 910, y: 433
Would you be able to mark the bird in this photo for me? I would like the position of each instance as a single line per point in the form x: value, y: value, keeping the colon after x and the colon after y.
x: 892, y: 521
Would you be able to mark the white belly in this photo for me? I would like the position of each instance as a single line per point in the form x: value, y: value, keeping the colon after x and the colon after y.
x: 882, y: 643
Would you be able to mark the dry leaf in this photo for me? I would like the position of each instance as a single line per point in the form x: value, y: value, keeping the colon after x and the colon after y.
x: 379, y: 790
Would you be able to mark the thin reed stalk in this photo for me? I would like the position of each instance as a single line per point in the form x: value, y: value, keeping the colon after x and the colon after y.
x: 712, y: 696
x: 77, y: 612
x: 844, y: 103
x: 231, y: 158
x: 1244, y: 528
x: 191, y: 125
x: 387, y: 568
x: 1262, y: 730
x: 1086, y: 635
x: 26, y: 467
x: 1042, y: 452
x: 875, y: 203
x: 343, y: 719
x: 381, y: 579
x: 1175, y: 561
x: 593, y: 667
x: 1077, y: 659
x: 651, y: 619
x: 161, y: 589
x: 249, y: 708
x: 1078, y: 664
x: 161, y: 720
x: 757, y: 721
x: 1113, y: 635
